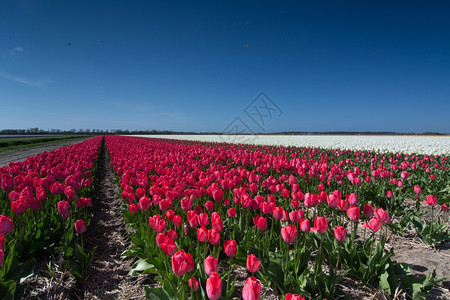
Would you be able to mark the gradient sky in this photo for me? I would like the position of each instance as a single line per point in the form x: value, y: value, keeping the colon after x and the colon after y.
x: 196, y: 65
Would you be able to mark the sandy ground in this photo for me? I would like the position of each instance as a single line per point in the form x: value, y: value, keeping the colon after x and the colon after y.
x: 22, y: 154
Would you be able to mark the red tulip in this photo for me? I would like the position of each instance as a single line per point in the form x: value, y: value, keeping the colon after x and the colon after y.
x: 192, y: 218
x: 320, y: 225
x: 252, y: 289
x: 133, y: 208
x: 231, y: 212
x: 202, y: 234
x: 340, y: 233
x: 157, y: 223
x: 6, y: 225
x: 203, y: 219
x: 296, y: 216
x: 417, y: 190
x: 80, y: 226
x: 382, y: 216
x: 305, y: 225
x: 230, y: 248
x: 373, y: 224
x: 444, y: 207
x: 431, y: 200
x: 278, y: 212
x: 289, y: 233
x: 160, y: 238
x: 144, y: 203
x: 177, y: 220
x: 18, y: 207
x: 168, y: 246
x: 368, y: 210
x: 41, y: 195
x: 290, y: 296
x: 213, y: 236
x: 260, y: 222
x: 172, y: 234
x: 253, y: 264
x: 353, y: 213
x: 2, y: 241
x: 211, y: 265
x: 193, y: 284
x: 182, y: 263
x: 217, y: 224
x: 389, y: 194
x: 214, y: 286
x: 1, y: 257
x: 70, y: 193
x: 352, y: 199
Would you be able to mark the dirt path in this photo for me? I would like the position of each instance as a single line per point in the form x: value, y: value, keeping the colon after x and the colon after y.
x: 107, y: 276
x: 22, y: 154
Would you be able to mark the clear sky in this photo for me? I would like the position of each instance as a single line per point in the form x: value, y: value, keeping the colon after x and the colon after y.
x: 196, y: 65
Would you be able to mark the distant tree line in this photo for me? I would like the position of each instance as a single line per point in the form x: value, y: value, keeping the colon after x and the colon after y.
x: 37, y: 131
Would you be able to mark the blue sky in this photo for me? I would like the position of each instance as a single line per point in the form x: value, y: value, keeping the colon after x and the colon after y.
x: 327, y: 65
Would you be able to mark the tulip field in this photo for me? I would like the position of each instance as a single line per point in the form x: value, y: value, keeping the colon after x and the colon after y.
x: 212, y: 220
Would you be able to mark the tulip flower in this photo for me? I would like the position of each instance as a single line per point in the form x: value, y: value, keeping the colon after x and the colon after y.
x: 182, y: 263
x: 320, y: 225
x: 177, y: 220
x: 231, y: 212
x: 373, y: 224
x: 202, y: 234
x: 340, y: 233
x: 211, y: 265
x: 214, y: 286
x: 193, y: 284
x: 368, y: 210
x: 6, y: 225
x: 230, y: 248
x: 352, y: 199
x: 296, y: 216
x: 290, y: 296
x: 431, y: 200
x: 305, y: 225
x: 289, y: 233
x: 260, y: 222
x: 382, y: 216
x: 353, y: 213
x: 253, y: 264
x: 133, y: 208
x: 389, y: 194
x: 213, y: 236
x: 417, y: 190
x: 203, y: 219
x: 252, y: 289
x: 168, y: 246
x: 2, y: 241
x: 80, y: 226
x: 444, y: 207
x: 1, y: 257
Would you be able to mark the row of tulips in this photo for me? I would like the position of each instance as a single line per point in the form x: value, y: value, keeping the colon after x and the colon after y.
x: 44, y: 204
x: 289, y: 218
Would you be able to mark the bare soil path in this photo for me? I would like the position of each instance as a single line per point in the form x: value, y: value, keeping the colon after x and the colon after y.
x: 107, y: 276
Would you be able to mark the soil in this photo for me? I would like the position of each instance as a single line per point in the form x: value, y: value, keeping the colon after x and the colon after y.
x: 107, y: 276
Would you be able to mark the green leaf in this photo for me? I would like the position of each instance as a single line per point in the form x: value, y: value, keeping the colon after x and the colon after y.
x: 384, y: 282
x: 156, y: 294
x: 8, y: 289
x: 141, y: 266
